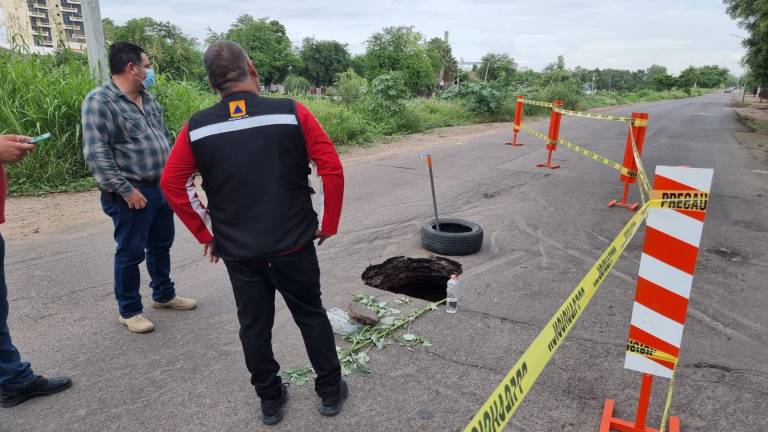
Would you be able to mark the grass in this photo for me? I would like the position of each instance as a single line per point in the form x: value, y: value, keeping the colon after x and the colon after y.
x: 601, y: 99
x: 758, y: 129
x: 43, y: 93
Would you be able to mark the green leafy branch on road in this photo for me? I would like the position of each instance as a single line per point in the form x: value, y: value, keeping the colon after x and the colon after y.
x: 355, y: 358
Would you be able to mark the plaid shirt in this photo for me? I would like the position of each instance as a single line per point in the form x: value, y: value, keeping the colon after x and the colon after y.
x: 123, y: 145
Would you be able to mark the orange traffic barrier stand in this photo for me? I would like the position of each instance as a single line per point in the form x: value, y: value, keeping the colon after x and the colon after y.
x: 554, y: 134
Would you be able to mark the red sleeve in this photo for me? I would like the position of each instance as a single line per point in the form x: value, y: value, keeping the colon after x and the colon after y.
x: 321, y: 151
x: 177, y: 183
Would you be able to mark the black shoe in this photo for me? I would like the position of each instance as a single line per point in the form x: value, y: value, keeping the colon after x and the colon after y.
x: 332, y: 405
x: 272, y: 409
x: 41, y: 386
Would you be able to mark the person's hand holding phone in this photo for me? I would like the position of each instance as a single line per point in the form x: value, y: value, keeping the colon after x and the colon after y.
x: 14, y: 148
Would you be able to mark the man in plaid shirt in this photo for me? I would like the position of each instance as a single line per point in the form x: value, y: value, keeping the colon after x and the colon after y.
x: 125, y: 143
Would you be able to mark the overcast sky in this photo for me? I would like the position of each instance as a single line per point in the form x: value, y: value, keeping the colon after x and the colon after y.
x: 591, y: 33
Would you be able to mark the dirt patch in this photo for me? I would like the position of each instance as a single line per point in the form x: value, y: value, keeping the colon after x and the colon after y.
x: 448, y: 136
x: 753, y: 115
x: 37, y: 216
x: 423, y: 278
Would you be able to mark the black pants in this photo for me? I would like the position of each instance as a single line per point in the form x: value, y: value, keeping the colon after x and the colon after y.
x: 297, y: 277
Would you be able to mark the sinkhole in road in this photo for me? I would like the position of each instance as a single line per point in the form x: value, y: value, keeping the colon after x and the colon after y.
x: 423, y: 278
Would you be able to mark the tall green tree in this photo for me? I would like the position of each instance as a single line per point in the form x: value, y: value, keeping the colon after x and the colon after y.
x: 444, y: 64
x: 170, y: 50
x: 704, y: 77
x: 266, y: 43
x: 400, y: 49
x: 323, y: 60
x: 752, y: 16
x: 655, y: 76
x: 496, y: 66
x: 556, y: 72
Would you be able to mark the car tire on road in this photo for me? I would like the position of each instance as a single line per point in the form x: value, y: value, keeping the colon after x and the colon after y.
x: 456, y: 237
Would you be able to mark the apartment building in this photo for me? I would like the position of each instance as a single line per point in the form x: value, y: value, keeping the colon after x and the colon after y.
x: 42, y: 25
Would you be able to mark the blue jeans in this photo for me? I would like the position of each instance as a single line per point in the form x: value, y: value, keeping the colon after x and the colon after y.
x: 141, y: 234
x: 13, y: 372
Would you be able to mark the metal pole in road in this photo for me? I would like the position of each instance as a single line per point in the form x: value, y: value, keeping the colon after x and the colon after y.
x: 94, y: 40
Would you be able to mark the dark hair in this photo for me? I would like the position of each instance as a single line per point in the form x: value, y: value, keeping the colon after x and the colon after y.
x: 226, y: 63
x: 122, y: 53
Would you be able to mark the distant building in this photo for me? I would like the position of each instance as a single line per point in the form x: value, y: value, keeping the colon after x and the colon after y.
x: 467, y: 66
x: 42, y: 25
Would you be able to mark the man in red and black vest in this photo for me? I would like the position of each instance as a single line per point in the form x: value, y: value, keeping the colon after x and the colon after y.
x: 253, y: 154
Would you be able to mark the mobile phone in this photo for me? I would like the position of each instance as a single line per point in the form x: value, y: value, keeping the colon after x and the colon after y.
x: 39, y: 138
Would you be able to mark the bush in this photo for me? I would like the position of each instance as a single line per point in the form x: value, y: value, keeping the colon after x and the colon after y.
x: 344, y: 125
x: 480, y: 97
x: 386, y: 104
x: 569, y: 92
x: 434, y: 113
x: 296, y: 85
x: 350, y: 87
x: 181, y: 99
x: 388, y: 93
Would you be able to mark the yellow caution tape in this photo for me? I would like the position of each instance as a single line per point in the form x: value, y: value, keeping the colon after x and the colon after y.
x: 645, y: 185
x: 641, y: 349
x: 593, y: 115
x: 637, y: 348
x: 534, y: 132
x: 581, y: 150
x: 537, y: 103
x: 668, y: 403
x: 497, y: 411
x: 592, y: 155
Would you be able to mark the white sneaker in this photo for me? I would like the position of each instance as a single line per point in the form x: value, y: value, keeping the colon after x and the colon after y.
x: 137, y: 324
x: 176, y: 303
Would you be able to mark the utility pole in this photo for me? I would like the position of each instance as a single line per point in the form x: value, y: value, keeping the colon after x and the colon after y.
x: 442, y: 82
x: 746, y: 72
x: 696, y: 81
x: 94, y: 40
x: 744, y: 89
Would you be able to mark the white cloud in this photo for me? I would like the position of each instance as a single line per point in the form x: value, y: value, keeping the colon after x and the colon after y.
x: 591, y: 33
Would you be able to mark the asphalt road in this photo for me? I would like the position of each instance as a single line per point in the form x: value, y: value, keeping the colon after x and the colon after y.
x: 544, y: 229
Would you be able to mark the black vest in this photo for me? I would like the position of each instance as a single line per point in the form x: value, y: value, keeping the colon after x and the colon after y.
x: 251, y: 153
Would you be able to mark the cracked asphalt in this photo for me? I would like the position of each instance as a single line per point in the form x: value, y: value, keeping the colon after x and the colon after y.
x: 543, y: 230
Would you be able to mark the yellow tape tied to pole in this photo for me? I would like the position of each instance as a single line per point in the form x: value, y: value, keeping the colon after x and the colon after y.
x: 593, y: 115
x: 534, y: 132
x: 581, y: 150
x: 645, y: 185
x: 592, y: 155
x: 497, y: 411
x: 638, y: 348
x: 537, y: 103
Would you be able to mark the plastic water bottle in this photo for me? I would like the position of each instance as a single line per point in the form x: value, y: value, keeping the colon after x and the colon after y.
x: 452, y: 294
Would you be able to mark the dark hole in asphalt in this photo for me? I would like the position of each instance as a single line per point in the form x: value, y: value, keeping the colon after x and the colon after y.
x: 423, y: 278
x: 452, y: 228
